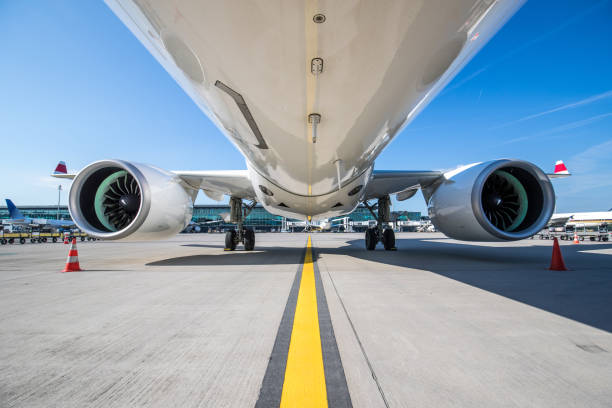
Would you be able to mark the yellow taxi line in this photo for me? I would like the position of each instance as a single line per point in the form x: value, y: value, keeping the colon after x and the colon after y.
x: 304, y: 383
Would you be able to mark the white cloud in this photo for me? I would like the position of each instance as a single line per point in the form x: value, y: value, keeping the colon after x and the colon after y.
x: 528, y: 44
x: 558, y: 129
x: 591, y: 169
x: 582, y: 102
x: 515, y: 140
x: 574, y: 125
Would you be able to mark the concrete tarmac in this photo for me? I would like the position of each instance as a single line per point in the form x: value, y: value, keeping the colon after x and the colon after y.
x: 181, y: 323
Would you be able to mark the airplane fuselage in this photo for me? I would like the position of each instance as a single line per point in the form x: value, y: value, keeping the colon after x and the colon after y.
x: 312, y: 92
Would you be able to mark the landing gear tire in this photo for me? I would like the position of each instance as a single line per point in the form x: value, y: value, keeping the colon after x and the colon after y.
x: 389, y: 239
x: 230, y: 240
x: 370, y: 239
x: 3, y: 241
x: 249, y: 239
x: 11, y: 240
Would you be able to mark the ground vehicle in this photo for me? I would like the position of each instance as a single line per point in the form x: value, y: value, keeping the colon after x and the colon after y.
x: 39, y: 237
x: 590, y: 232
x: 13, y: 237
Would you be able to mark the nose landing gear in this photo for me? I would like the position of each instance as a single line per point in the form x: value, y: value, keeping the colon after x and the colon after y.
x: 381, y: 232
x: 246, y: 236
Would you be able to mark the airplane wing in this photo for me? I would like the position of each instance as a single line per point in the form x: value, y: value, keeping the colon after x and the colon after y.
x: 214, y: 183
x: 403, y: 183
x: 559, y: 219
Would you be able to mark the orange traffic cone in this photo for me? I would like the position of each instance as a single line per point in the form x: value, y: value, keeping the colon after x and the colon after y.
x: 556, y: 263
x: 576, y: 241
x: 66, y: 238
x: 72, y: 263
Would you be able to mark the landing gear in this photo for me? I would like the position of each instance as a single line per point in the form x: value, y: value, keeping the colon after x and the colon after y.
x: 249, y: 239
x: 381, y: 232
x: 388, y: 239
x: 246, y: 236
x: 371, y: 239
x: 230, y: 240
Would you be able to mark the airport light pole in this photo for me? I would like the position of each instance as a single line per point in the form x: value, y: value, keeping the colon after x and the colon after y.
x: 59, y: 196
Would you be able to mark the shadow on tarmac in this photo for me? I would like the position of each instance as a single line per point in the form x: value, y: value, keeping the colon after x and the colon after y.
x: 240, y: 257
x: 583, y: 294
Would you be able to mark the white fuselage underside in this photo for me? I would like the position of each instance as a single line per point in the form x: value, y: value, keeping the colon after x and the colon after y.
x: 382, y: 63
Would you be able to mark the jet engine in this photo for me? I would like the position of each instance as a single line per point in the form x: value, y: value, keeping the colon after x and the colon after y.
x: 501, y: 200
x: 115, y: 199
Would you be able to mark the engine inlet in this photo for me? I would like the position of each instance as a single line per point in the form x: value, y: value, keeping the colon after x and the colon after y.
x: 504, y: 201
x: 117, y: 200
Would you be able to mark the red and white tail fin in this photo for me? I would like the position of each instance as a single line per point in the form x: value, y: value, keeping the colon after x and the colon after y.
x: 61, y: 168
x: 61, y: 171
x: 560, y: 170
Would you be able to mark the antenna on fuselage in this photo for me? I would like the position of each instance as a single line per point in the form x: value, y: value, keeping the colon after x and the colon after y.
x: 314, y: 119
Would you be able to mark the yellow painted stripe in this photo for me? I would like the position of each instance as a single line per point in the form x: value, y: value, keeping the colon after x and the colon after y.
x: 304, y: 384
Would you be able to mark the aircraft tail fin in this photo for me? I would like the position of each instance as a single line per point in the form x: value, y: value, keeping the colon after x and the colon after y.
x: 61, y: 168
x: 61, y: 171
x: 14, y: 212
x: 560, y: 170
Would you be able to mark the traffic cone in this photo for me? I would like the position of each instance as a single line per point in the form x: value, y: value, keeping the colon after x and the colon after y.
x: 72, y: 263
x: 556, y: 263
x: 66, y: 238
x: 576, y: 240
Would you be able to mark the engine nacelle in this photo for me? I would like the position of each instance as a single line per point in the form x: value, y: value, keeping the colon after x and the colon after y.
x: 115, y: 199
x: 501, y: 200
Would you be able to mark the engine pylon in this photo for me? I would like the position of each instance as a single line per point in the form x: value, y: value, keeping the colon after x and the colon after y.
x: 557, y: 263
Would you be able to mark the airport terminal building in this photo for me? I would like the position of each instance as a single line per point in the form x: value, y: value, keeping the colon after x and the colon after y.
x: 209, y: 216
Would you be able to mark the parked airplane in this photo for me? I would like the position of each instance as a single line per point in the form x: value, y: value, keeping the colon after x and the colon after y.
x: 311, y: 93
x: 582, y: 218
x: 17, y: 218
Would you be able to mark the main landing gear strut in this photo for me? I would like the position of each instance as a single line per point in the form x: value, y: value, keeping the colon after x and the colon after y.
x: 381, y: 232
x: 246, y: 236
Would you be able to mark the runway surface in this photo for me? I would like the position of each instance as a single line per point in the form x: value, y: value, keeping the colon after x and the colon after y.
x: 182, y: 323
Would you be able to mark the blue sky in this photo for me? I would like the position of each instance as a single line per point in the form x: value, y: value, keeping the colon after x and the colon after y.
x: 77, y: 86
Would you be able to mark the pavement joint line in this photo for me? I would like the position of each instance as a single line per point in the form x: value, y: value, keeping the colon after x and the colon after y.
x: 365, y: 355
x: 338, y: 395
x: 305, y: 368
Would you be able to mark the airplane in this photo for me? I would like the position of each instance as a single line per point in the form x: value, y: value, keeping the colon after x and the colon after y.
x: 319, y: 225
x: 582, y: 218
x: 17, y: 218
x: 311, y: 93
